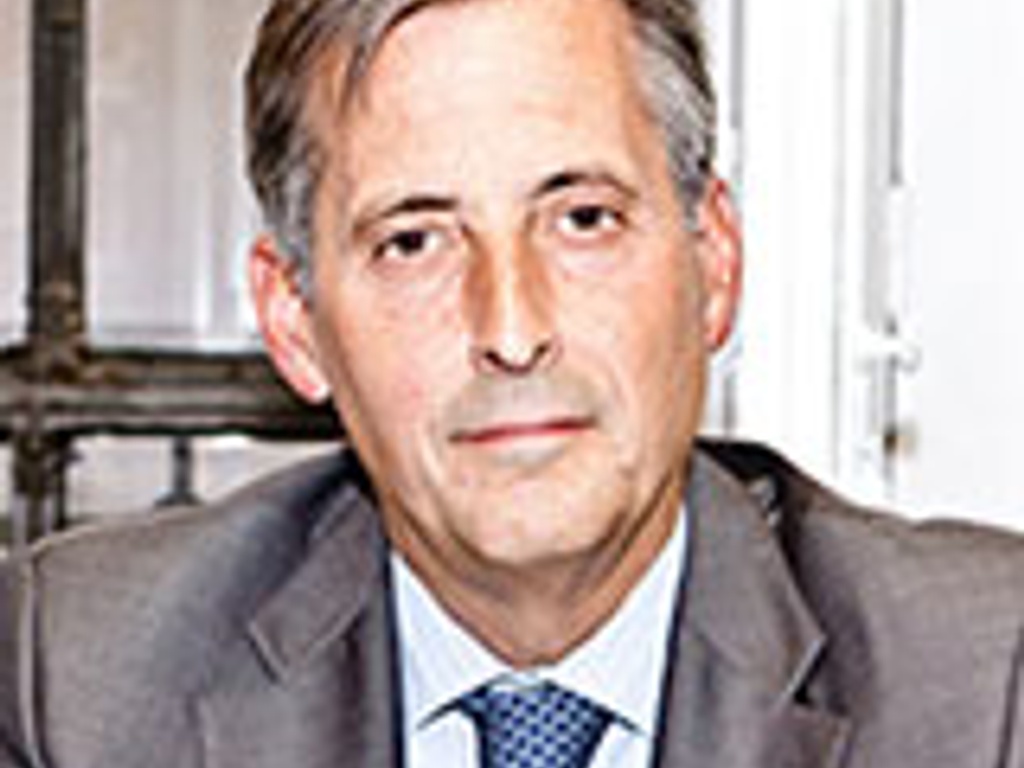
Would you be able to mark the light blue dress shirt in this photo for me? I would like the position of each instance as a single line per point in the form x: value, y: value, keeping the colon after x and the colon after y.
x: 621, y: 667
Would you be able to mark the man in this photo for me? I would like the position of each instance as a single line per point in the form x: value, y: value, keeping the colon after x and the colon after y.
x: 498, y: 244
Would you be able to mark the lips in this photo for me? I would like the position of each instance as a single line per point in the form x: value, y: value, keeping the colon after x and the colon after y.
x: 511, y: 431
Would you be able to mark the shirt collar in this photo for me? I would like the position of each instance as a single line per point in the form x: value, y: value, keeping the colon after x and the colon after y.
x: 621, y: 667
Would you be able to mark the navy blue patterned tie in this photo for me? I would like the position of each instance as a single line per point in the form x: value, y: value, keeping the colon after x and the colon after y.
x: 541, y: 726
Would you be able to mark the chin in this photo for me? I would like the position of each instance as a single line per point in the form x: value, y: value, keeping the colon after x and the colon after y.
x: 540, y: 524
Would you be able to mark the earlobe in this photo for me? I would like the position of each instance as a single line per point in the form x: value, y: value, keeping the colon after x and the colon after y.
x: 721, y: 255
x: 284, y: 321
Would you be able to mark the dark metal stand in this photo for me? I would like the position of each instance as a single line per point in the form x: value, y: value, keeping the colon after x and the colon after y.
x: 55, y: 388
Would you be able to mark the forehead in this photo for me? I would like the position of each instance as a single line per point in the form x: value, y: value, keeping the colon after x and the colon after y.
x: 385, y: 20
x: 490, y: 80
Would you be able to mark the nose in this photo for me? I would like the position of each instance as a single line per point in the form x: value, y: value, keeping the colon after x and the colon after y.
x: 510, y: 307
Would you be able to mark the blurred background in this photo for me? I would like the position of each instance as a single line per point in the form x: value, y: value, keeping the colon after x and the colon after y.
x: 872, y: 146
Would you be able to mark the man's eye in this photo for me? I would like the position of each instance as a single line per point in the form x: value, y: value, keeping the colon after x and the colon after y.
x: 407, y: 244
x: 589, y: 221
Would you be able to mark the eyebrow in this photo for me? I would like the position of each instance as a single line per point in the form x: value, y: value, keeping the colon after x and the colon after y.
x: 411, y: 204
x: 577, y: 177
x: 441, y: 203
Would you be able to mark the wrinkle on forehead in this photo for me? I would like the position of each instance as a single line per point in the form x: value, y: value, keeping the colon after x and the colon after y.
x: 474, y: 45
x: 341, y: 76
x: 497, y: 80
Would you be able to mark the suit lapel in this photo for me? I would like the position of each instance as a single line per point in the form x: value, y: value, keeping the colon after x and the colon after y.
x: 746, y: 644
x: 314, y: 687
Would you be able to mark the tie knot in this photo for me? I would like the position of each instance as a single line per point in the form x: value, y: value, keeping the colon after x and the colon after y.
x: 542, y: 726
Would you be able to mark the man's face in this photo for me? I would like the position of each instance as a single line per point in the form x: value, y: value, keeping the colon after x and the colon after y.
x: 508, y: 306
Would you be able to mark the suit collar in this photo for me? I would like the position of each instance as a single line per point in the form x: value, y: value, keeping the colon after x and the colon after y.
x: 747, y: 644
x: 346, y: 566
x: 740, y: 595
x: 319, y: 687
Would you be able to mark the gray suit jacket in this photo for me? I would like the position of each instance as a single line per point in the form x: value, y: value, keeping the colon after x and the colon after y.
x: 258, y: 634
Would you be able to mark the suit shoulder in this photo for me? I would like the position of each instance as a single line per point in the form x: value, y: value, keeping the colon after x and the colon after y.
x: 924, y: 620
x: 845, y: 556
x: 944, y: 558
x: 284, y: 505
x: 114, y: 626
x: 799, y: 506
x: 191, y: 573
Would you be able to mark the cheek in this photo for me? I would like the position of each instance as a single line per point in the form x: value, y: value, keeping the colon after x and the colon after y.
x: 648, y: 343
x: 388, y: 367
x: 648, y: 330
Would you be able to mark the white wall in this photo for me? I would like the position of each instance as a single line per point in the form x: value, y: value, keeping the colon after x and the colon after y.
x: 170, y: 216
x: 788, y: 189
x: 13, y: 163
x: 881, y: 164
x: 963, y: 410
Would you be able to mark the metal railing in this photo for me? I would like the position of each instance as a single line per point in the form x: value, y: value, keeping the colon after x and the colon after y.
x: 54, y: 387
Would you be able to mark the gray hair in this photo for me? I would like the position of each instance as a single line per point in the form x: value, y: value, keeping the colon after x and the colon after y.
x: 286, y: 160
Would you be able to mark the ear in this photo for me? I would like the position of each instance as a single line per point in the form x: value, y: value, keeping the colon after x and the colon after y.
x: 284, y: 320
x: 720, y: 248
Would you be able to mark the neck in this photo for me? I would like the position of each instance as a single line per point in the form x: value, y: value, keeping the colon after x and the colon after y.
x: 535, y: 614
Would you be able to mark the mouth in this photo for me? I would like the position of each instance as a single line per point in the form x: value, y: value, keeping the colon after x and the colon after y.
x: 504, y: 433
